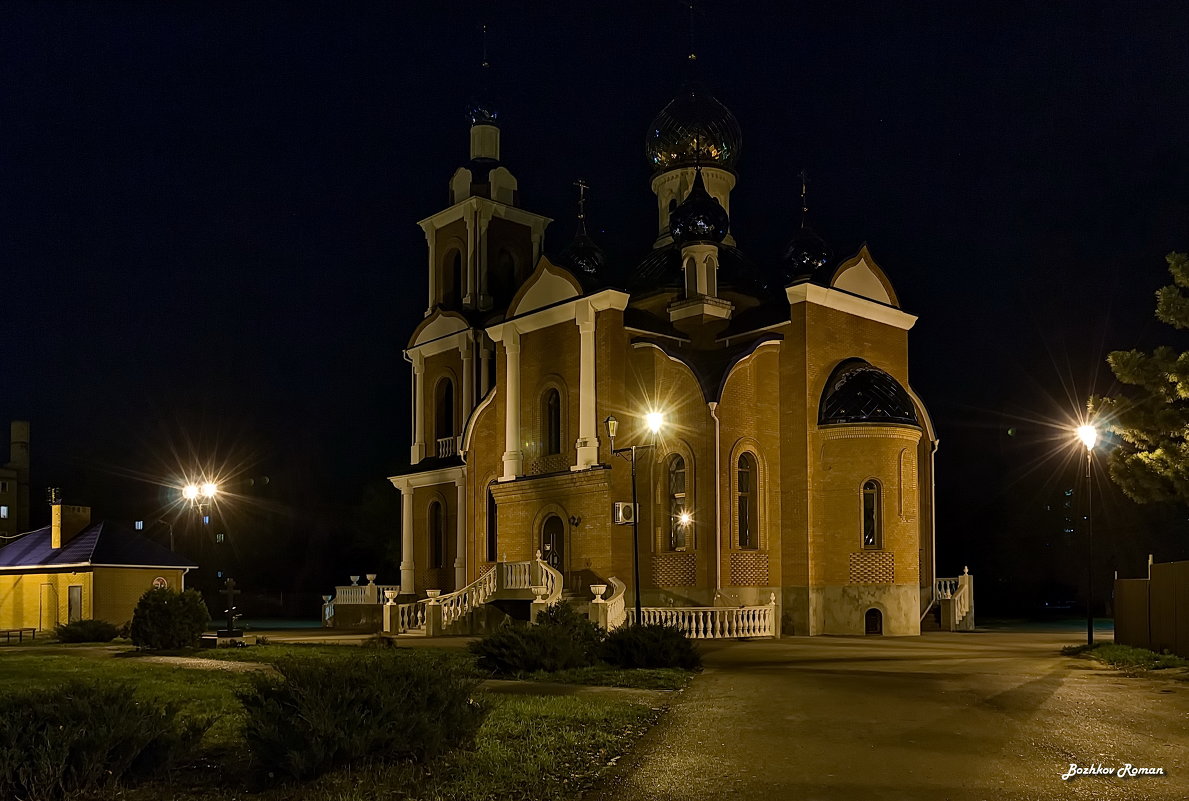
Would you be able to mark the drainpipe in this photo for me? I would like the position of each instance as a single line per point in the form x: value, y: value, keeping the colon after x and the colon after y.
x: 717, y: 501
x: 933, y: 516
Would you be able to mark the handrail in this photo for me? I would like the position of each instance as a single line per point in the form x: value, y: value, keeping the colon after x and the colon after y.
x: 616, y: 604
x: 459, y: 603
x: 551, y: 579
x: 714, y: 622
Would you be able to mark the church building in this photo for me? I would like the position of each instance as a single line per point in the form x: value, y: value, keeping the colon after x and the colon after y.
x: 781, y: 449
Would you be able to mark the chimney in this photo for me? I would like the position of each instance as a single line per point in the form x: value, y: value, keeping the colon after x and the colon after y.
x: 66, y: 521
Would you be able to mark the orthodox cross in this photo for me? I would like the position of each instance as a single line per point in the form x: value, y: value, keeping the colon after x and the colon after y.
x: 230, y: 591
x: 804, y: 196
x: 582, y: 187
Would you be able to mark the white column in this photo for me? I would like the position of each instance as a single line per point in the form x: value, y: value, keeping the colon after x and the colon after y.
x: 417, y: 452
x: 483, y: 301
x: 460, y: 557
x: 484, y: 369
x: 468, y: 377
x: 433, y: 268
x: 406, y: 541
x: 513, y: 459
x: 468, y: 298
x: 588, y: 440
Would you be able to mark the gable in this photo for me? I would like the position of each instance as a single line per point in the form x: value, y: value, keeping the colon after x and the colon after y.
x: 860, y: 275
x: 547, y: 286
x: 437, y: 325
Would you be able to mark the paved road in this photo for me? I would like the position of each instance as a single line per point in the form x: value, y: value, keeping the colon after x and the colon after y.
x: 997, y: 716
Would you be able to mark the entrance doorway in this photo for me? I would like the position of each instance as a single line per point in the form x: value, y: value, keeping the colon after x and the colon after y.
x: 553, y: 542
x: 873, y: 622
x: 74, y: 603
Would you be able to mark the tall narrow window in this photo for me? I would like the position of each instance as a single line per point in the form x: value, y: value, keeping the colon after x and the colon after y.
x: 455, y: 294
x: 679, y: 517
x: 501, y: 279
x: 872, y: 528
x: 748, y: 502
x: 552, y: 418
x: 437, y: 535
x: 492, y: 519
x: 444, y: 410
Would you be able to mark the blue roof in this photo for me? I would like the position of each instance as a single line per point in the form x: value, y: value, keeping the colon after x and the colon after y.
x: 101, y: 543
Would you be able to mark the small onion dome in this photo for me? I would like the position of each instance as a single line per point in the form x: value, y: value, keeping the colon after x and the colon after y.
x: 582, y: 256
x: 806, y: 253
x: 860, y: 393
x: 482, y: 111
x: 694, y: 128
x: 699, y: 218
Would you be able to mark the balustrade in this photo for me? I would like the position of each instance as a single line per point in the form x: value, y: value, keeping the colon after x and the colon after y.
x: 713, y: 622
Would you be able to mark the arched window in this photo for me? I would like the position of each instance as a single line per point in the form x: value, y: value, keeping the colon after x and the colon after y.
x: 454, y: 291
x: 492, y: 517
x: 501, y: 280
x: 679, y: 511
x: 872, y: 523
x: 748, y: 497
x: 873, y: 621
x: 444, y: 410
x: 437, y: 535
x: 551, y: 422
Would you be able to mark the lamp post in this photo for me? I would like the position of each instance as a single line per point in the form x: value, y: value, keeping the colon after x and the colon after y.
x: 654, y: 421
x: 1088, y: 434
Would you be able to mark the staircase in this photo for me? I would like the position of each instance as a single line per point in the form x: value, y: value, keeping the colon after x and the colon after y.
x: 464, y: 611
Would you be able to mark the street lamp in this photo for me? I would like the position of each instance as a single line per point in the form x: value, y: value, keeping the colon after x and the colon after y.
x: 1088, y: 434
x: 654, y: 421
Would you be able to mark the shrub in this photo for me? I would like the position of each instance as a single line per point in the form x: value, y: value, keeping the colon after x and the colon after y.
x: 376, y: 705
x: 650, y: 646
x: 85, y: 736
x: 165, y: 619
x: 562, y: 617
x: 560, y: 640
x: 86, y: 631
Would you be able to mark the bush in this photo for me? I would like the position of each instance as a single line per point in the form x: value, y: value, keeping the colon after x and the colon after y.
x: 165, y: 619
x: 561, y: 639
x: 650, y: 646
x: 374, y: 705
x: 86, y: 631
x: 85, y: 736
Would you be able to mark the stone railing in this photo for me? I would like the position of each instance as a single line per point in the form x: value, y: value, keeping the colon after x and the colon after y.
x: 609, y: 614
x: 432, y: 616
x: 447, y: 446
x: 354, y: 594
x: 713, y: 622
x: 956, y: 597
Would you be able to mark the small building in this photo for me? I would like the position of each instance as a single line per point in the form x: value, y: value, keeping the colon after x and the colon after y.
x: 74, y: 569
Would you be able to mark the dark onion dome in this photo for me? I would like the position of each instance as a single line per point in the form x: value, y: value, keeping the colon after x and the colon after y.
x: 693, y: 128
x: 805, y: 254
x: 482, y: 111
x: 700, y: 217
x: 582, y: 257
x: 860, y: 393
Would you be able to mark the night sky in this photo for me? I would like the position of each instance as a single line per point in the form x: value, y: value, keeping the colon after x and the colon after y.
x: 207, y: 212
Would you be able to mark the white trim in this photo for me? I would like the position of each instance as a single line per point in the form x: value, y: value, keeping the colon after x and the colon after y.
x: 498, y: 209
x: 847, y: 303
x: 440, y: 327
x: 449, y: 342
x: 472, y: 419
x: 548, y: 289
x: 443, y: 475
x: 44, y: 568
x: 561, y: 313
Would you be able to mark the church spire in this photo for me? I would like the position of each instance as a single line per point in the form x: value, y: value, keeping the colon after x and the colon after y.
x: 485, y: 132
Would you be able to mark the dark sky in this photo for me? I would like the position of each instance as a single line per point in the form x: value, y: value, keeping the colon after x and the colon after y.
x: 207, y: 210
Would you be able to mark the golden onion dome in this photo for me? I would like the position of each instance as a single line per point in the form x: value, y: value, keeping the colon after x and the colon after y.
x: 694, y: 128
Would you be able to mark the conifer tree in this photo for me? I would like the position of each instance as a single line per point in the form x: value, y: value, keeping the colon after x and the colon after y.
x: 1151, y: 419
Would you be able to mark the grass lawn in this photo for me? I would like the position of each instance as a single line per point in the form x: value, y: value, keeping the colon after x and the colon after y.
x: 1127, y: 656
x: 600, y: 675
x: 539, y: 747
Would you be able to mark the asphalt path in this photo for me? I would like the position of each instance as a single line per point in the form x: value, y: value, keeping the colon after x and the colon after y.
x: 998, y: 716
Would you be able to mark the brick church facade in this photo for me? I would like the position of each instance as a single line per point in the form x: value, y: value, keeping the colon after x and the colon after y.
x: 792, y: 456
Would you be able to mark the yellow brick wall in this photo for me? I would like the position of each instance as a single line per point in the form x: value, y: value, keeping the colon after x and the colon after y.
x: 41, y: 600
x: 117, y: 589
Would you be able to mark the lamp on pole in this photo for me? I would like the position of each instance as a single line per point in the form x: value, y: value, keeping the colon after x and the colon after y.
x: 654, y: 420
x: 1088, y: 434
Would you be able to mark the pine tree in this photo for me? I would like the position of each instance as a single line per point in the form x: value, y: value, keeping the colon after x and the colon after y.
x: 1151, y: 462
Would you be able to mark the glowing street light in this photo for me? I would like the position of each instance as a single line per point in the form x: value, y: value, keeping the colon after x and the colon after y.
x: 209, y: 489
x: 655, y: 421
x: 1088, y: 435
x: 190, y: 492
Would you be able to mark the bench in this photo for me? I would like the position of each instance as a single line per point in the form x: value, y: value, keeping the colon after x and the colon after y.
x: 20, y: 634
